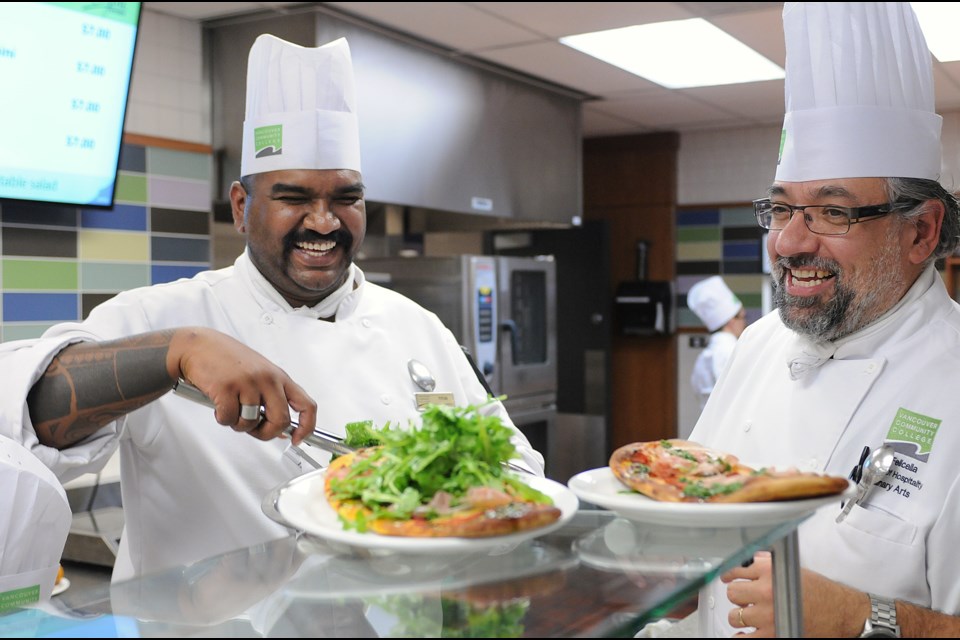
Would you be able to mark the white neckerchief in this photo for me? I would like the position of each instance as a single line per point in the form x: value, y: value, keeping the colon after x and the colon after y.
x: 808, y: 355
x: 326, y: 308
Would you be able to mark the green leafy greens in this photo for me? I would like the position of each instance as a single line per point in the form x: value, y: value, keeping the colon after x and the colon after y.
x: 453, y: 450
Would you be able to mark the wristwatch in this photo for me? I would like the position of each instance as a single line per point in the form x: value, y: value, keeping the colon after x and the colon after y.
x: 882, y: 622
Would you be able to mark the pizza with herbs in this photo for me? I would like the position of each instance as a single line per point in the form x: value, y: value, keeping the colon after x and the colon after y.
x: 445, y: 478
x: 684, y: 471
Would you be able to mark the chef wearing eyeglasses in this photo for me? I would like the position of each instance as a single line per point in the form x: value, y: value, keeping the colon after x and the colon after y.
x: 864, y: 346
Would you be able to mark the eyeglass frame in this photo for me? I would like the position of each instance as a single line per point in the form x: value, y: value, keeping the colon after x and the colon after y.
x: 854, y: 214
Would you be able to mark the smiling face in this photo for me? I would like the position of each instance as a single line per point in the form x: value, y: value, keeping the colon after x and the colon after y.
x: 827, y: 287
x: 303, y: 228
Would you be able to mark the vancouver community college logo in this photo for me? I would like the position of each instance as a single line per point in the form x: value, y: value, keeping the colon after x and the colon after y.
x: 912, y: 434
x: 268, y: 141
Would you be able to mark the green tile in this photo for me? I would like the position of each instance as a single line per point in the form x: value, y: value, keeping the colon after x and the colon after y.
x: 131, y: 187
x: 698, y: 234
x: 181, y: 164
x: 751, y: 300
x: 39, y: 275
x: 100, y: 276
x: 13, y: 332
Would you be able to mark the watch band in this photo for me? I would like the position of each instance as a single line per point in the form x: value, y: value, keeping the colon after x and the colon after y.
x: 883, y: 618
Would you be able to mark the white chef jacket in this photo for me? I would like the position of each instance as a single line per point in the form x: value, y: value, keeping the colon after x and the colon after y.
x: 192, y: 488
x: 893, y: 381
x: 711, y: 363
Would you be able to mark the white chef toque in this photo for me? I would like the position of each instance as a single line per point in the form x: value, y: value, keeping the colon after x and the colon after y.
x: 859, y: 93
x: 713, y: 302
x: 301, y: 108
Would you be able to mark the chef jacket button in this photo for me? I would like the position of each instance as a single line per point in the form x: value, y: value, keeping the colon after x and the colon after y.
x: 747, y: 425
x: 266, y: 318
x: 871, y: 367
x: 813, y: 463
x: 386, y: 399
x: 711, y: 602
x: 366, y: 322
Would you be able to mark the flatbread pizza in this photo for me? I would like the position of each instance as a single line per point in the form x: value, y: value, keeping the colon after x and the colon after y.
x: 683, y: 471
x: 444, y: 478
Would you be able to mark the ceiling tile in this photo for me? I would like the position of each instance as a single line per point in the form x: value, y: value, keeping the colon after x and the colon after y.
x: 666, y: 109
x: 946, y: 82
x: 762, y: 31
x: 556, y: 19
x: 455, y: 25
x: 756, y: 101
x: 597, y: 123
x: 561, y: 64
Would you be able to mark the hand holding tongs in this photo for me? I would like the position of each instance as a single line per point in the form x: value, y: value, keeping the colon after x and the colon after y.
x: 319, y: 437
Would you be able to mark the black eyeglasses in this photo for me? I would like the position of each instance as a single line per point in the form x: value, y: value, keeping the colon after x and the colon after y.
x: 826, y: 220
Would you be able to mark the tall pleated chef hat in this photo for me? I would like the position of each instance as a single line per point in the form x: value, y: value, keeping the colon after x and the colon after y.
x: 859, y: 93
x: 301, y: 108
x: 713, y: 302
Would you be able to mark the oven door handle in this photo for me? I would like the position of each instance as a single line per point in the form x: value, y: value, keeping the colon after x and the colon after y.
x: 511, y: 327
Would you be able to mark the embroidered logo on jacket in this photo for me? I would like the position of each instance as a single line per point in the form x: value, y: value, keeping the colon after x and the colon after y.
x: 912, y: 434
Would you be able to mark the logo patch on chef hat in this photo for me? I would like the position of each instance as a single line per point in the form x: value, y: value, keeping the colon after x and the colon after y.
x: 268, y: 141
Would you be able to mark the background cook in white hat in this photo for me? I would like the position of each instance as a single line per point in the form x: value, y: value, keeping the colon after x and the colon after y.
x: 864, y: 346
x: 723, y: 314
x: 290, y: 326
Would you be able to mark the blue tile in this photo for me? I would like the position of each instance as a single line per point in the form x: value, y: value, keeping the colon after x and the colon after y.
x: 127, y: 217
x: 38, y: 307
x: 741, y: 250
x: 698, y: 216
x: 168, y: 273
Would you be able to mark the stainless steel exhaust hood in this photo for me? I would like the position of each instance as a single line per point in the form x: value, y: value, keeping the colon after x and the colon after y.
x: 437, y: 132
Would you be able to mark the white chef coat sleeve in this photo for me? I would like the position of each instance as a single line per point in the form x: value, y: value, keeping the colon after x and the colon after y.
x: 22, y: 363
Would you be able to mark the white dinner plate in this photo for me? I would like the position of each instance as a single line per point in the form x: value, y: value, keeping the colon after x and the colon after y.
x: 303, y: 505
x: 601, y: 487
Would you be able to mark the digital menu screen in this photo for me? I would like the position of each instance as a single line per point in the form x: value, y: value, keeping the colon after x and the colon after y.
x: 65, y: 68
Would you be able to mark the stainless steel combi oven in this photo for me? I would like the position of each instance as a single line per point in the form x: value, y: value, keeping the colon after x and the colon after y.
x: 503, y: 310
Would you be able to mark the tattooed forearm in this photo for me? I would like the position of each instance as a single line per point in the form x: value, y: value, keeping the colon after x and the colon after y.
x: 88, y: 385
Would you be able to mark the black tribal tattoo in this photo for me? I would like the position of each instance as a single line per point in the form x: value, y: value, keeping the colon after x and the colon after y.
x: 90, y: 384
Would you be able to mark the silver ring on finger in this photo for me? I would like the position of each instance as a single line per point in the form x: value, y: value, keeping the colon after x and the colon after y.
x: 249, y: 412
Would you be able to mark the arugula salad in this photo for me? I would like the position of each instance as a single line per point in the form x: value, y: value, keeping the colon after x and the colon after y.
x: 454, y: 450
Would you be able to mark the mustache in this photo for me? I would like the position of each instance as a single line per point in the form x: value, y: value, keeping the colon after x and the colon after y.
x: 341, y: 236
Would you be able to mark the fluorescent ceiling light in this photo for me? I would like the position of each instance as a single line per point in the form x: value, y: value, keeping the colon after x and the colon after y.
x: 677, y: 54
x: 938, y: 21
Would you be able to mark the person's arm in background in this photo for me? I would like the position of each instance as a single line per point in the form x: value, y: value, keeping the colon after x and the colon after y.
x: 90, y: 384
x: 830, y: 609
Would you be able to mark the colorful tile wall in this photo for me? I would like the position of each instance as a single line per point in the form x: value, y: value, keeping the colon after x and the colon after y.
x: 723, y: 241
x: 58, y: 262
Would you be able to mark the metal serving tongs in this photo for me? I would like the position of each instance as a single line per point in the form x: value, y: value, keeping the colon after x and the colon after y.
x: 319, y: 437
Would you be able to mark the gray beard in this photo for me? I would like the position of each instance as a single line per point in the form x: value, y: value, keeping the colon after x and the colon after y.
x: 845, y: 313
